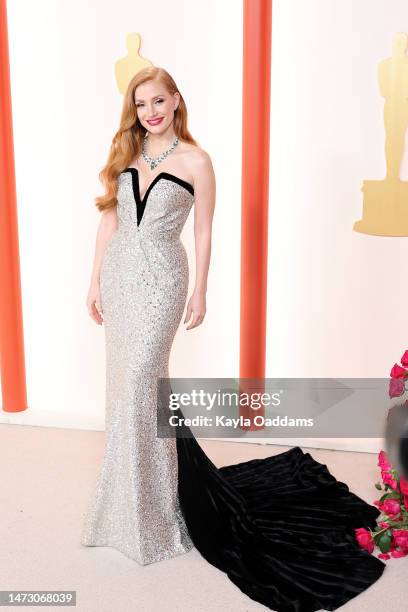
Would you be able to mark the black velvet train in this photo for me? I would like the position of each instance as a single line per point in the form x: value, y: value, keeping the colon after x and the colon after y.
x: 281, y: 528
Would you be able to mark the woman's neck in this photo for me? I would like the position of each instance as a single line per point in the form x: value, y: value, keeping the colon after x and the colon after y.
x: 157, y: 143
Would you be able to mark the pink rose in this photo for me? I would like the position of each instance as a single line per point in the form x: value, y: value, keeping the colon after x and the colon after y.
x: 397, y: 371
x: 384, y: 556
x: 403, y: 485
x: 383, y: 524
x: 364, y: 539
x: 396, y: 387
x: 400, y: 538
x: 391, y: 507
x: 388, y: 479
x: 383, y: 461
x: 404, y: 490
x: 404, y: 359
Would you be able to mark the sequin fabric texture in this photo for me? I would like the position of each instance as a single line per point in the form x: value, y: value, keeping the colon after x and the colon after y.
x: 144, y: 282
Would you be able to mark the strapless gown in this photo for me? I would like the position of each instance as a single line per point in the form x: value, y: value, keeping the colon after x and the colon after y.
x: 281, y: 528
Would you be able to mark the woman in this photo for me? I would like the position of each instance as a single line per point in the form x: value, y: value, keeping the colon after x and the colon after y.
x: 281, y: 528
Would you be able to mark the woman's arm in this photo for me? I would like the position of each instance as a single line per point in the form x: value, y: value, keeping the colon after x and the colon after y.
x: 204, y: 204
x: 107, y: 226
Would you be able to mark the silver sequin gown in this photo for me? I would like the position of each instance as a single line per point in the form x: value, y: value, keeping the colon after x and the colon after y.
x: 282, y: 527
x: 144, y: 282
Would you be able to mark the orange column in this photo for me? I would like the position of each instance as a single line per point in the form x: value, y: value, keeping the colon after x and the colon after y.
x: 255, y: 185
x: 11, y: 324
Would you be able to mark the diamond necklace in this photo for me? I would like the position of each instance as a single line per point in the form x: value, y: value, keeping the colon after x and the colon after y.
x: 156, y: 160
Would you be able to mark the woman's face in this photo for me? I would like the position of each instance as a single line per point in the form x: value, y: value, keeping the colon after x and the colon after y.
x: 155, y: 106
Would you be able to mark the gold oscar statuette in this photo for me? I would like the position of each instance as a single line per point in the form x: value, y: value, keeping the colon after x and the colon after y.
x: 127, y: 67
x: 385, y: 202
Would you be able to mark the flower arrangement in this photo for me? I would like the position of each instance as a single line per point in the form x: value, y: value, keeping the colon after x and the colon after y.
x: 399, y: 375
x: 391, y: 532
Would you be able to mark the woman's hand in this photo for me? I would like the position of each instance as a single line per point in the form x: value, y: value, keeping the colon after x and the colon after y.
x: 196, y: 307
x: 93, y: 302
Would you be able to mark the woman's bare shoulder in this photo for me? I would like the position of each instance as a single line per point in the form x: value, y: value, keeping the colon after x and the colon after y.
x: 198, y: 158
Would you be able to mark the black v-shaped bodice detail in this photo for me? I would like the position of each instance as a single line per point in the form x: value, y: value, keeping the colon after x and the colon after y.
x: 141, y: 202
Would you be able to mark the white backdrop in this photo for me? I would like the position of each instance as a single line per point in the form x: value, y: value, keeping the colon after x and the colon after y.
x: 336, y: 299
x: 66, y: 109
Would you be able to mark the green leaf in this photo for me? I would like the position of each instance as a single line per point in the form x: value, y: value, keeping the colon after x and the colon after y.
x: 390, y: 495
x: 378, y: 486
x: 394, y: 523
x: 384, y: 543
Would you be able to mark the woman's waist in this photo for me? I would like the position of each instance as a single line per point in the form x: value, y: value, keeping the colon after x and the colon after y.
x: 140, y: 244
x: 149, y: 232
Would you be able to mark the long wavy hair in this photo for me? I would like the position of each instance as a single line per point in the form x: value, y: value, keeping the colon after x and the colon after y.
x: 127, y: 142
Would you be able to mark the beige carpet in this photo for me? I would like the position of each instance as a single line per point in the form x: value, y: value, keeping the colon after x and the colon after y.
x: 47, y: 475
